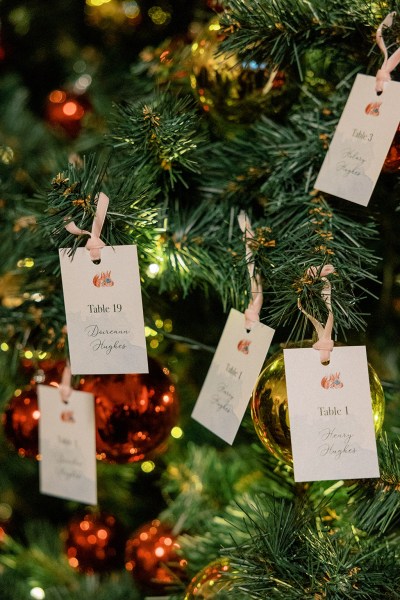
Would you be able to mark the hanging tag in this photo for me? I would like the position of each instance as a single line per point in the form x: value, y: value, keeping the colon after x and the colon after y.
x: 104, y: 312
x: 232, y: 375
x: 361, y: 141
x: 67, y: 445
x: 330, y: 411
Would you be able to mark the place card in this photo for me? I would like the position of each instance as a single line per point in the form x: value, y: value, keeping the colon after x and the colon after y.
x: 232, y: 375
x: 361, y: 141
x: 67, y: 445
x: 104, y: 312
x: 330, y: 411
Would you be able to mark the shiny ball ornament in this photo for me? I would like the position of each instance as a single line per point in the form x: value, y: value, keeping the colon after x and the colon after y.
x: 151, y: 556
x: 134, y: 413
x: 210, y: 582
x: 231, y: 90
x: 20, y: 422
x: 21, y: 416
x: 269, y: 406
x: 94, y: 543
x: 392, y: 160
x: 65, y: 110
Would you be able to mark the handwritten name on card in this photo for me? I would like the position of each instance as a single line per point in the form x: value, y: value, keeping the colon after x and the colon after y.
x: 361, y: 141
x: 67, y: 445
x: 233, y: 372
x: 331, y: 420
x: 104, y: 312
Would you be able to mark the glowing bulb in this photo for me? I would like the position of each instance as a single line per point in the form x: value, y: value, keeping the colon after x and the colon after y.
x: 148, y: 466
x: 28, y: 354
x: 4, y: 347
x: 153, y: 269
x: 176, y: 432
x: 37, y: 593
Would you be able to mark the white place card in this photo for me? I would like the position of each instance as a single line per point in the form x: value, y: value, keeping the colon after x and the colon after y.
x: 103, y: 306
x: 67, y: 444
x: 361, y: 141
x: 232, y: 375
x: 330, y: 411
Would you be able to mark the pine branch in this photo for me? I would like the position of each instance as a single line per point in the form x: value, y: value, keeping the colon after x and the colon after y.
x: 282, y: 32
x: 160, y: 136
x: 377, y: 501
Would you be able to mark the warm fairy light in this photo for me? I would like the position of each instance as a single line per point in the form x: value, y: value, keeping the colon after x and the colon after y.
x: 70, y: 108
x: 74, y: 562
x: 158, y: 15
x: 131, y: 9
x: 168, y: 325
x: 17, y: 393
x: 176, y: 432
x: 97, y: 2
x: 36, y: 415
x: 4, y: 347
x: 57, y: 96
x: 102, y: 534
x: 159, y: 551
x: 26, y: 262
x: 214, y: 27
x: 82, y: 83
x: 148, y: 466
x: 153, y: 269
x: 84, y: 525
x: 148, y: 331
x: 37, y: 593
x: 28, y: 354
x: 5, y: 511
x: 42, y: 355
x: 154, y: 344
x: 37, y: 297
x: 159, y: 323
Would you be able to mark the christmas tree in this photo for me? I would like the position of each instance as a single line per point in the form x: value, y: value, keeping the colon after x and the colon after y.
x: 189, y: 136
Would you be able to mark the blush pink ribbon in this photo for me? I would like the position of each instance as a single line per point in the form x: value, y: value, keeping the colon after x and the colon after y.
x: 94, y: 243
x: 252, y: 312
x: 389, y: 63
x: 324, y: 343
x: 65, y: 384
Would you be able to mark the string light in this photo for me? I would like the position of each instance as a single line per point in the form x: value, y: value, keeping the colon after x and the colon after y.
x: 37, y: 593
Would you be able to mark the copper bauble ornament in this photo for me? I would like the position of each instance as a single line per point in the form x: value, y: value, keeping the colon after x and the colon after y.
x: 392, y: 160
x: 232, y: 90
x: 134, y: 413
x: 21, y: 416
x: 95, y: 543
x: 269, y: 405
x: 210, y: 582
x: 151, y: 555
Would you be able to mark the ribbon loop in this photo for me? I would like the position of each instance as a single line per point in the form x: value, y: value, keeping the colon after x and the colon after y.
x: 252, y: 312
x: 324, y: 343
x: 389, y: 63
x: 65, y: 384
x: 94, y: 243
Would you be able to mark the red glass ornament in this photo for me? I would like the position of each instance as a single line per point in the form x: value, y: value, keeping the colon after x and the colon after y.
x: 95, y: 543
x: 21, y: 416
x: 134, y: 413
x: 20, y: 422
x: 65, y: 111
x: 392, y: 160
x: 151, y: 555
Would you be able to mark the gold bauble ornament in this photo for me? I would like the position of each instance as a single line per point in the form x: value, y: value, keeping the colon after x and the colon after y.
x: 232, y: 90
x: 269, y: 405
x: 209, y: 583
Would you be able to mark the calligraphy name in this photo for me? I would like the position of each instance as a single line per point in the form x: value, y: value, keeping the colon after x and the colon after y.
x: 223, y: 398
x: 337, y: 444
x: 362, y: 135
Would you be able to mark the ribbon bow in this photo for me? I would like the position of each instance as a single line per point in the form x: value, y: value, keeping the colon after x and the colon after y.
x: 94, y: 243
x: 389, y: 63
x: 324, y: 343
x: 252, y: 312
